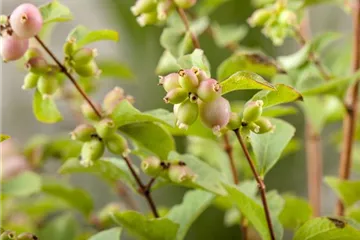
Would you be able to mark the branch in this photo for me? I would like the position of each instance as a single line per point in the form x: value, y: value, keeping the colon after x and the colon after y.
x: 260, y: 182
x: 229, y: 150
x: 183, y: 17
x: 351, y: 102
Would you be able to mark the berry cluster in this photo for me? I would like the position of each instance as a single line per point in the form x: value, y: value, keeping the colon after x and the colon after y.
x: 101, y: 133
x: 12, y: 235
x: 276, y: 20
x: 194, y: 94
x: 24, y: 23
x: 176, y: 172
x: 156, y: 11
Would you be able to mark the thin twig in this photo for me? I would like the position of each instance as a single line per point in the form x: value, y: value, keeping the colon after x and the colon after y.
x: 183, y: 17
x: 351, y: 102
x: 260, y: 182
x: 150, y: 183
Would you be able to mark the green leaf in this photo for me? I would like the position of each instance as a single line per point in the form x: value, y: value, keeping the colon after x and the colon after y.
x: 196, y: 59
x: 295, y: 212
x: 311, y: 106
x: 45, y: 110
x: 194, y: 203
x: 84, y: 36
x: 109, y: 169
x: 150, y: 136
x: 115, y: 69
x: 147, y: 229
x: 75, y: 197
x: 23, y: 185
x: 109, y: 234
x: 228, y: 34
x: 268, y: 147
x: 353, y: 213
x: 176, y: 41
x: 206, y: 7
x: 296, y: 59
x: 279, y: 111
x: 307, y: 3
x: 40, y: 207
x: 347, y: 190
x: 243, y: 81
x: 283, y: 94
x: 55, y: 12
x: 63, y: 227
x: 254, y: 212
x: 167, y: 64
x: 247, y: 61
x: 327, y: 87
x: 3, y: 137
x: 327, y: 228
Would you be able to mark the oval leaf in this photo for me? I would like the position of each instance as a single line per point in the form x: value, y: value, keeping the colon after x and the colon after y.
x: 55, y: 12
x: 196, y: 59
x: 296, y: 212
x: 109, y: 234
x: 85, y: 36
x: 347, y: 190
x: 22, y: 185
x: 45, y: 110
x: 115, y: 69
x: 63, y: 227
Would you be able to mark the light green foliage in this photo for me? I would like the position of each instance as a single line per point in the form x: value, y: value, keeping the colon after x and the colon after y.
x: 296, y: 211
x: 347, y: 190
x: 84, y: 36
x: 25, y: 184
x: 63, y: 227
x: 45, y: 109
x: 115, y: 69
x: 109, y: 234
x: 54, y: 11
x: 225, y: 35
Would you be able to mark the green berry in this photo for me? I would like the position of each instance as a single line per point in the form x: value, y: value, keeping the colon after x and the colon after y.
x: 188, y: 80
x: 70, y: 47
x: 151, y: 166
x: 253, y: 127
x: 38, y: 65
x: 264, y: 125
x: 287, y: 18
x: 260, y: 17
x: 92, y: 151
x: 186, y: 114
x: 83, y: 132
x: 234, y: 122
x: 89, y: 69
x: 30, y: 81
x: 112, y: 99
x: 252, y: 111
x: 105, y: 128
x: 170, y: 81
x: 143, y: 6
x: 32, y: 53
x: 209, y: 90
x: 89, y: 112
x: 200, y: 74
x: 48, y: 84
x: 26, y: 236
x: 180, y: 174
x: 84, y: 56
x: 176, y: 96
x: 147, y: 19
x: 8, y: 235
x: 117, y: 144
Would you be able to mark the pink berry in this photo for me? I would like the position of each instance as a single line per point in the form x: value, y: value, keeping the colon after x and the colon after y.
x: 209, y: 90
x: 13, y: 48
x: 26, y: 20
x: 215, y: 114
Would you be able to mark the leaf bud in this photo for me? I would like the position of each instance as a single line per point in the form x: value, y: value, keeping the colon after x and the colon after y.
x: 83, y: 132
x: 252, y: 111
x: 151, y: 166
x: 170, y: 81
x: 84, y: 56
x: 26, y: 20
x: 264, y: 125
x: 180, y: 174
x: 186, y: 114
x: 215, y: 114
x: 260, y: 17
x: 117, y: 144
x: 188, y: 80
x: 92, y: 151
x: 37, y: 65
x: 8, y: 235
x: 89, y: 112
x: 89, y: 69
x: 27, y: 236
x: 143, y: 6
x: 147, y: 19
x: 30, y: 81
x: 209, y: 90
x: 176, y: 96
x: 185, y: 3
x: 47, y: 85
x: 105, y: 128
x: 234, y: 122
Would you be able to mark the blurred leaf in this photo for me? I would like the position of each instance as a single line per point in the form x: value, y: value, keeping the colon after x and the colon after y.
x: 293, y: 146
x: 295, y: 212
x: 3, y: 137
x: 150, y: 136
x: 327, y: 87
x: 109, y: 234
x: 311, y: 106
x: 353, y: 213
x: 296, y: 59
x: 147, y: 229
x: 254, y: 212
x: 109, y: 169
x: 243, y: 81
x: 63, y: 227
x: 327, y: 228
x: 283, y: 94
x: 194, y: 203
x: 275, y: 201
x: 247, y: 61
x: 208, y: 6
x: 279, y: 111
x: 75, y: 197
x: 45, y: 110
x: 347, y: 190
x: 84, y: 36
x: 55, y: 12
x: 22, y: 185
x: 167, y: 64
x: 115, y: 69
x: 196, y: 59
x: 199, y: 26
x: 268, y: 147
x: 225, y: 35
x: 307, y: 3
x: 63, y: 148
x: 175, y: 41
x: 41, y: 207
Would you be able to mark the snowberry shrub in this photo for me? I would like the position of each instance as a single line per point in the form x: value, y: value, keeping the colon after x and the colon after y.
x: 232, y: 145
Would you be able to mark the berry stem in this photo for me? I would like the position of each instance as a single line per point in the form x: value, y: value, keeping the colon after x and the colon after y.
x: 185, y: 20
x: 351, y: 103
x: 260, y: 182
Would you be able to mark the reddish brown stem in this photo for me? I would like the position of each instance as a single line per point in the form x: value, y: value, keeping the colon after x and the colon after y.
x: 351, y: 103
x: 260, y: 182
x: 185, y: 20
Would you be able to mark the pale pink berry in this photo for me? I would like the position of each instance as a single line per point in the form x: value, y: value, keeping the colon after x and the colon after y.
x: 26, y: 20
x: 209, y: 90
x: 13, y: 48
x: 215, y: 114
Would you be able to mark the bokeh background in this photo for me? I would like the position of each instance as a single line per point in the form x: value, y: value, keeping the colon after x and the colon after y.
x: 139, y: 48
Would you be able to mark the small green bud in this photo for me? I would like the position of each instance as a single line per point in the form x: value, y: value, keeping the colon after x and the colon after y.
x: 32, y: 53
x: 143, y: 6
x: 84, y: 56
x: 151, y: 166
x: 30, y: 81
x: 4, y: 19
x: 37, y: 65
x: 264, y: 125
x: 70, y: 47
x: 234, y: 122
x: 8, y: 235
x: 260, y: 17
x: 180, y: 174
x: 200, y: 74
x: 47, y: 85
x: 27, y: 236
x: 147, y: 19
x: 185, y: 3
x: 287, y: 18
x: 83, y: 132
x: 92, y: 151
x: 117, y: 144
x: 176, y: 96
x: 252, y: 111
x: 209, y: 90
x: 89, y: 112
x: 105, y: 128
x: 89, y: 69
x: 170, y: 81
x: 186, y: 114
x: 188, y: 80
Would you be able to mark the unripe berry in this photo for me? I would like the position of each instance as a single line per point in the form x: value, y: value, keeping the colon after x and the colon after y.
x: 147, y: 19
x: 105, y: 128
x: 84, y: 56
x: 26, y: 236
x: 215, y: 114
x: 89, y: 69
x: 30, y: 81
x: 163, y: 9
x: 151, y: 166
x: 185, y: 3
x: 13, y: 48
x: 37, y: 65
x: 47, y: 85
x: 92, y: 151
x: 259, y: 17
x: 176, y: 96
x: 180, y: 174
x: 26, y: 20
x: 117, y: 144
x: 209, y: 90
x: 83, y: 132
x: 143, y: 6
x: 234, y: 122
x: 186, y: 114
x: 253, y: 127
x: 8, y: 235
x: 70, y: 47
x: 170, y: 81
x: 112, y: 99
x: 252, y: 111
x: 89, y: 112
x: 32, y: 53
x: 287, y: 18
x: 188, y: 80
x: 264, y: 125
x: 200, y: 74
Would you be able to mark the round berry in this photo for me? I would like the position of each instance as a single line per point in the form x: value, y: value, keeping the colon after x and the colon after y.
x: 252, y: 111
x: 215, y: 114
x: 117, y: 144
x: 151, y: 166
x: 83, y: 132
x: 37, y: 65
x: 170, y: 81
x: 209, y: 90
x: 48, y: 85
x: 176, y: 96
x: 84, y: 56
x: 89, y: 69
x: 264, y: 125
x: 26, y: 20
x: 180, y: 174
x: 188, y: 80
x: 234, y: 122
x: 30, y: 81
x: 92, y: 151
x: 105, y: 128
x: 13, y: 48
x: 186, y: 114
